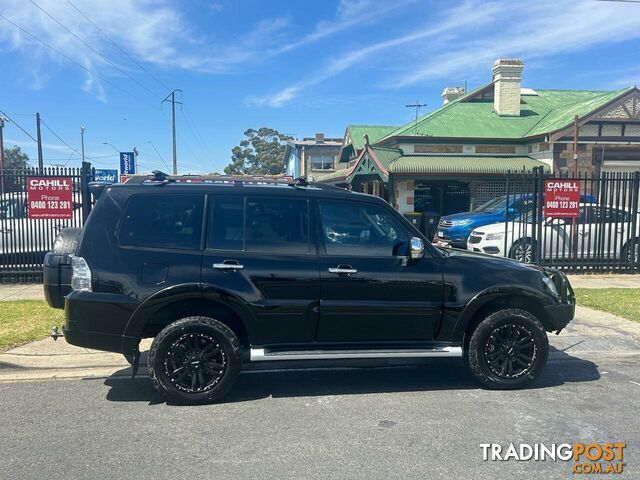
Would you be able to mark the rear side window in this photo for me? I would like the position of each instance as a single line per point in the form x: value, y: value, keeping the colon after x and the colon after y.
x: 226, y: 223
x: 163, y: 221
x: 277, y: 225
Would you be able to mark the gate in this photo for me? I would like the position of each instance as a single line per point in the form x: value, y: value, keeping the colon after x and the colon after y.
x: 25, y: 236
x: 595, y: 227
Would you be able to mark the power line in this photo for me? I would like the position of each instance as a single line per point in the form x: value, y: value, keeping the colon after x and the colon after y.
x: 18, y: 125
x: 58, y: 137
x: 159, y: 156
x: 93, y: 49
x: 38, y: 39
x: 118, y: 46
x: 73, y: 150
x: 194, y: 129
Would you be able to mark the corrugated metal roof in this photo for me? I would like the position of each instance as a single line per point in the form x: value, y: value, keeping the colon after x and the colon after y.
x: 336, y: 175
x: 375, y: 133
x: 462, y: 164
x: 548, y: 111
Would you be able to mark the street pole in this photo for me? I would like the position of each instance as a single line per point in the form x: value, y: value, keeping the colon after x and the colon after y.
x: 575, y: 145
x: 2, y: 120
x: 173, y: 118
x: 39, y: 138
x: 82, y: 141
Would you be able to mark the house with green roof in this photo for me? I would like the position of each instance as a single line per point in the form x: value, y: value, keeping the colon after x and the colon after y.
x: 457, y: 156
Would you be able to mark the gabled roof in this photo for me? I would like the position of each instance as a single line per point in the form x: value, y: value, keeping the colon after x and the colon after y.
x: 472, y: 116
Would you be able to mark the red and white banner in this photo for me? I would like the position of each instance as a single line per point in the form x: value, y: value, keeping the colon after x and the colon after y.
x: 562, y: 198
x: 50, y: 197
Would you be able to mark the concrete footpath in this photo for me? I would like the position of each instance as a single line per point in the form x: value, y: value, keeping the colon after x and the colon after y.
x: 592, y: 335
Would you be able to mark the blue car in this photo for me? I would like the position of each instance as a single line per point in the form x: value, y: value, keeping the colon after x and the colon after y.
x: 455, y: 229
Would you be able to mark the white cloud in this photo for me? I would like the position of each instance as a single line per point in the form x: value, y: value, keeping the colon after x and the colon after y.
x: 470, y: 36
x: 156, y: 32
x: 530, y: 30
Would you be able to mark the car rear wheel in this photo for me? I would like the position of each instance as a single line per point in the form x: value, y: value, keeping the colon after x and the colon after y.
x: 508, y: 349
x: 195, y: 360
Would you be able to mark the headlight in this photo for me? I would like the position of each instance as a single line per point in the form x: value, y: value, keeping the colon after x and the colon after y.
x: 553, y: 290
x: 458, y: 223
x: 494, y: 236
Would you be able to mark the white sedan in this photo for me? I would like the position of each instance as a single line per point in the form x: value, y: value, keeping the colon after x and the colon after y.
x: 600, y: 231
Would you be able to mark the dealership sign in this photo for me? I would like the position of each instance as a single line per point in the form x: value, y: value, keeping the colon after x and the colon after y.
x: 127, y: 163
x: 562, y: 198
x: 50, y: 197
x: 104, y: 175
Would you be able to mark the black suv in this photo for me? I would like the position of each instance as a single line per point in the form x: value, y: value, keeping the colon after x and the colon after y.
x: 221, y: 273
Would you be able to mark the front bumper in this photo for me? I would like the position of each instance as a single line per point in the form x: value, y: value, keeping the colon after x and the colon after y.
x: 490, y: 247
x: 452, y: 237
x: 561, y: 313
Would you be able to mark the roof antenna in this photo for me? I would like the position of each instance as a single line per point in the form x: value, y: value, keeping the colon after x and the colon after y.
x: 417, y: 106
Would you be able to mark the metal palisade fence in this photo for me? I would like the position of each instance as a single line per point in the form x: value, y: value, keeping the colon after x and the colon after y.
x: 35, y: 204
x: 577, y: 223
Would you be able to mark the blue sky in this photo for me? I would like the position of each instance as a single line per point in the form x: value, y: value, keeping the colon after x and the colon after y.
x: 298, y: 66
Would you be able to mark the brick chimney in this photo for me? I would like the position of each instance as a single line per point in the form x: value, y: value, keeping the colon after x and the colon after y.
x: 319, y: 137
x: 450, y: 94
x: 507, y: 76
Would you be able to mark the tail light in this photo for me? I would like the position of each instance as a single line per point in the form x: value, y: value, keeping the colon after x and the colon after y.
x: 80, y: 274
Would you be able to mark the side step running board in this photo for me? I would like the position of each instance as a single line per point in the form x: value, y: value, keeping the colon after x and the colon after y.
x: 261, y: 354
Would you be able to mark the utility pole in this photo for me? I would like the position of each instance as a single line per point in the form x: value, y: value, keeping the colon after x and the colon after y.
x: 39, y: 138
x: 173, y: 117
x: 2, y: 120
x: 575, y: 145
x: 82, y: 141
x: 417, y: 106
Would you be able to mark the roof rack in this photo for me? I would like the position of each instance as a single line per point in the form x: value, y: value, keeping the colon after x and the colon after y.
x: 159, y: 178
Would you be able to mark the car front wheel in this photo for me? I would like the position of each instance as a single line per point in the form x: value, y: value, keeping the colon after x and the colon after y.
x: 195, y: 360
x: 508, y: 349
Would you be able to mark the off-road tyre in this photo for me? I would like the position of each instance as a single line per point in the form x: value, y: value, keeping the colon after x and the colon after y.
x: 486, y: 360
x: 183, y: 337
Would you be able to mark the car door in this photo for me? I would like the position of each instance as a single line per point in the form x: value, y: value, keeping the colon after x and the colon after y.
x: 370, y: 291
x: 259, y: 249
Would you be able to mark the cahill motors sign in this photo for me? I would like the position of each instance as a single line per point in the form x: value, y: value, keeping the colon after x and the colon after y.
x: 562, y: 198
x: 50, y: 197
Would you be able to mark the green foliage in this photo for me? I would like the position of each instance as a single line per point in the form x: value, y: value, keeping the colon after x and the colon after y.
x: 624, y: 302
x: 15, y: 159
x: 261, y: 153
x: 24, y: 321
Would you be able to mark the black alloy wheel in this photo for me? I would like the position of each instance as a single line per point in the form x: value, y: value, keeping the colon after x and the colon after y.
x: 195, y: 360
x: 508, y: 349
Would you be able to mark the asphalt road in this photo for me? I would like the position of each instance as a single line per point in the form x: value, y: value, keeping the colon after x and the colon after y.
x: 424, y: 421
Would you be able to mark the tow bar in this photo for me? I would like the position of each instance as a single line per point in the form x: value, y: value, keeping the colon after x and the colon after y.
x: 55, y: 333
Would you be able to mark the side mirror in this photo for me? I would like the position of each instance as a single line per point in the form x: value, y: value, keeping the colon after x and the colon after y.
x: 417, y: 248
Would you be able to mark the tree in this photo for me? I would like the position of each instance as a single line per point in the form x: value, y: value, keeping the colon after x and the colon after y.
x: 261, y: 153
x: 15, y: 159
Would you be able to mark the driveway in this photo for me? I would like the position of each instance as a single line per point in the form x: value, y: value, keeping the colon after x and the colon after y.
x: 391, y: 421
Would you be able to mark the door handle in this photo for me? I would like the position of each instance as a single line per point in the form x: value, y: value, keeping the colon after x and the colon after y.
x: 228, y: 265
x: 343, y: 269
